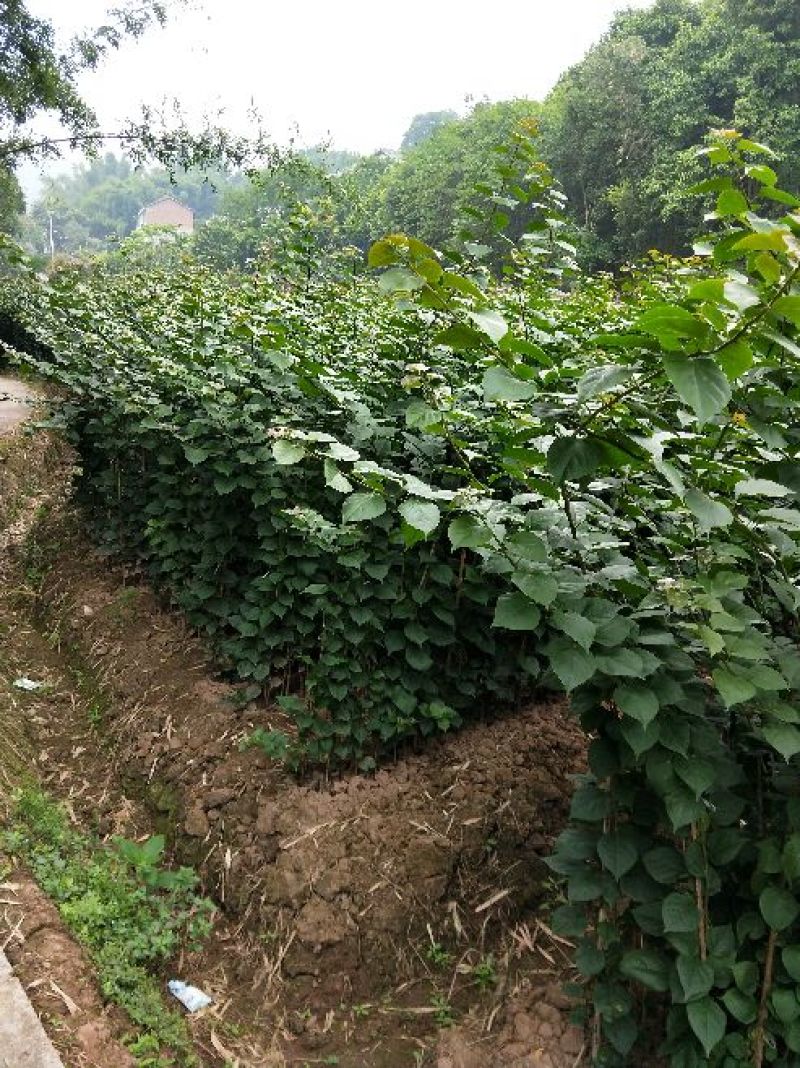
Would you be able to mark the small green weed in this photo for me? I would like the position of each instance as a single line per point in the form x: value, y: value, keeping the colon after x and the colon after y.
x: 484, y: 973
x: 443, y: 1014
x: 130, y: 913
x: 276, y: 744
x: 438, y: 955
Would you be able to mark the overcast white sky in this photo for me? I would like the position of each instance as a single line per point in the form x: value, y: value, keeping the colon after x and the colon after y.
x: 352, y: 71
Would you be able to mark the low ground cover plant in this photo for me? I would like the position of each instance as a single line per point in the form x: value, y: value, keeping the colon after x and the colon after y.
x: 130, y: 912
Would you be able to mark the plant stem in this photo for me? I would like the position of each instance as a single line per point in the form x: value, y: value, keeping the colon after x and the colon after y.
x: 758, y: 1039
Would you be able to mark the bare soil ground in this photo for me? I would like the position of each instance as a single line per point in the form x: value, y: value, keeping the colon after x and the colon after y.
x: 333, y: 891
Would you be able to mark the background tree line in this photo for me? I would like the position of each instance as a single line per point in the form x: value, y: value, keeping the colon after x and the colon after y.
x: 617, y: 130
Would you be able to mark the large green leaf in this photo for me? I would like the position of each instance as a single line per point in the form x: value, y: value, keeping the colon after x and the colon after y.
x: 783, y: 737
x: 708, y: 1021
x: 540, y: 586
x: 708, y: 512
x: 578, y: 627
x: 779, y: 907
x: 359, y: 507
x: 671, y: 324
x: 700, y: 383
x: 665, y: 864
x: 570, y: 459
x: 287, y: 452
x: 647, y: 967
x: 789, y: 308
x: 589, y: 959
x: 400, y: 280
x: 761, y: 487
x: 791, y: 961
x: 573, y: 666
x: 515, y: 611
x: 421, y: 515
x: 466, y: 532
x: 490, y: 322
x: 638, y: 701
x: 618, y: 851
x: 500, y: 384
x: 732, y: 688
x: 679, y: 913
x: 696, y: 977
x: 602, y: 380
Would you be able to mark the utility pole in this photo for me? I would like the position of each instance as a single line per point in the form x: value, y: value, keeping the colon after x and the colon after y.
x: 50, y: 236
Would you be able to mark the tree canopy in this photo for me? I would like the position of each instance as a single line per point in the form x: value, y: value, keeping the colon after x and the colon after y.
x: 428, y: 190
x: 619, y: 125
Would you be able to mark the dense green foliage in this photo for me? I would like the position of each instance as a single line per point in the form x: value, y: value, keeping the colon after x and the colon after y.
x: 620, y: 125
x: 39, y: 76
x: 132, y: 914
x: 393, y: 511
x: 346, y: 199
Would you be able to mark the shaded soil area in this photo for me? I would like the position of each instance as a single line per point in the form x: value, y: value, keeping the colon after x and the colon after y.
x: 361, y: 916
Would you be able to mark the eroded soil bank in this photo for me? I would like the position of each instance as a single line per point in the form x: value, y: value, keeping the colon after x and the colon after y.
x: 361, y: 916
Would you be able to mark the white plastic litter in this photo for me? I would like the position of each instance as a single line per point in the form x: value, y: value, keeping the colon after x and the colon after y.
x: 24, y: 683
x: 189, y: 996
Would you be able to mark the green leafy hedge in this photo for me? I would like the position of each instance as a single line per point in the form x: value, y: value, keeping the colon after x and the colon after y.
x: 407, y: 509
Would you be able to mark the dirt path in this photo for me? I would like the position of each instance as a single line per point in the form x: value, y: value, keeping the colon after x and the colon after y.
x: 23, y: 1042
x: 16, y: 399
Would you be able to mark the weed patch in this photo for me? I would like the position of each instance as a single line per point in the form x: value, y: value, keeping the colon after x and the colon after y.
x: 125, y: 907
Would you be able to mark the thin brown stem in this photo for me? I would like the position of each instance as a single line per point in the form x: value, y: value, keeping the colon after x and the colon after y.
x: 766, y: 987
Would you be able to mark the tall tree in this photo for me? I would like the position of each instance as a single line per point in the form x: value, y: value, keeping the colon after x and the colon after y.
x: 423, y: 125
x: 427, y: 191
x: 620, y: 125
